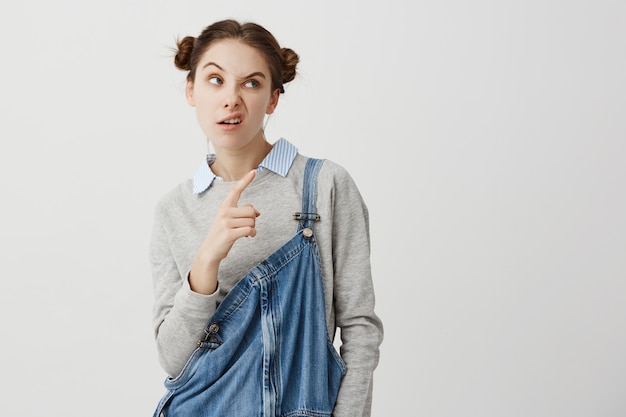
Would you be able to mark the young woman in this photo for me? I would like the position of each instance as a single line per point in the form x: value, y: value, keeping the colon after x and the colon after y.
x: 262, y: 256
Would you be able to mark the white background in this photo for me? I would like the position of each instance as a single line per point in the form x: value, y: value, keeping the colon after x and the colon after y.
x: 488, y: 139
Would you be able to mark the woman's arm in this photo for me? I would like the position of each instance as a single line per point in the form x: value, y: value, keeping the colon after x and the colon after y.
x: 361, y: 329
x: 179, y: 314
x: 184, y: 302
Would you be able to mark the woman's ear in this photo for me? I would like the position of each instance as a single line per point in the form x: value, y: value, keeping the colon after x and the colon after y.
x: 189, y: 93
x: 273, y: 102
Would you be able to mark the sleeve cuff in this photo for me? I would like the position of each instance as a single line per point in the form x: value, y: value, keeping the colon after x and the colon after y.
x: 194, y: 304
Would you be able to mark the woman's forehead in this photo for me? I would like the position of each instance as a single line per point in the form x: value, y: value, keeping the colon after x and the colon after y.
x: 233, y: 56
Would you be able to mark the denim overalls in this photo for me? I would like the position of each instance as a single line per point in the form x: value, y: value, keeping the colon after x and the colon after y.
x: 266, y: 350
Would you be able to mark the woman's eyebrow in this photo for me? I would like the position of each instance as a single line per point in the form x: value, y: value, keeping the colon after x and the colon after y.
x: 214, y: 64
x: 254, y: 74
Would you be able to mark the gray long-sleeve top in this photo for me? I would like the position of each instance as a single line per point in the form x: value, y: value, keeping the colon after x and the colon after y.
x: 181, y: 222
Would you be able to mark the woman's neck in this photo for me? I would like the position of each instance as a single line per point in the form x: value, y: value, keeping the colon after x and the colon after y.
x: 232, y: 165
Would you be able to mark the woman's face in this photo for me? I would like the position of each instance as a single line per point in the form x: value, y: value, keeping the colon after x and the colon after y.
x: 232, y: 93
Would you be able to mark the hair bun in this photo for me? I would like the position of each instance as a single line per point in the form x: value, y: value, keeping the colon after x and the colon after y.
x: 290, y: 62
x: 183, y: 53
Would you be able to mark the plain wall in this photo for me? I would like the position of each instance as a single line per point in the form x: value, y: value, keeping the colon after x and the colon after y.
x: 487, y: 138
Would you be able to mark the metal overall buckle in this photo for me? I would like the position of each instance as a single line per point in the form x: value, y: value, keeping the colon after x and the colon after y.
x: 210, y: 336
x: 302, y: 217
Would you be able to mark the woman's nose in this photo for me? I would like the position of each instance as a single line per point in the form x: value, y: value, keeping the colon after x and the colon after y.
x: 232, y: 98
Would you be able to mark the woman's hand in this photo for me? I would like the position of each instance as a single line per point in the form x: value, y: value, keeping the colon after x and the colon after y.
x: 231, y: 222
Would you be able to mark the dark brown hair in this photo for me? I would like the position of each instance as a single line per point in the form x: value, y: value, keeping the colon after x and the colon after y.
x: 282, y: 62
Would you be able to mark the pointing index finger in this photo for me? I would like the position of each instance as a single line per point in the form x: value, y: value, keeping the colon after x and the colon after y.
x: 235, y: 193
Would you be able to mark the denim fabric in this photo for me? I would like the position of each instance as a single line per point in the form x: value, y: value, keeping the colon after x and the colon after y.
x: 266, y: 352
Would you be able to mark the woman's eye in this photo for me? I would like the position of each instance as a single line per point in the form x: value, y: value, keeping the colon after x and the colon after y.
x: 215, y: 80
x: 252, y: 84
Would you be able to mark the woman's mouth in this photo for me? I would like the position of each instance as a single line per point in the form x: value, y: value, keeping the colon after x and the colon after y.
x: 234, y: 121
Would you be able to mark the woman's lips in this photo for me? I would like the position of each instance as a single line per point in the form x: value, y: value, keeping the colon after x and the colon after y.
x: 231, y: 122
x: 229, y: 126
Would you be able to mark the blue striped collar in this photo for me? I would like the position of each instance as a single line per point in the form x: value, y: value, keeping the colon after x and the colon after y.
x: 279, y: 160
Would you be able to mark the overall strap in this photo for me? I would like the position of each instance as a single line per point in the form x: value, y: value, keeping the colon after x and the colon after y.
x: 308, y: 216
